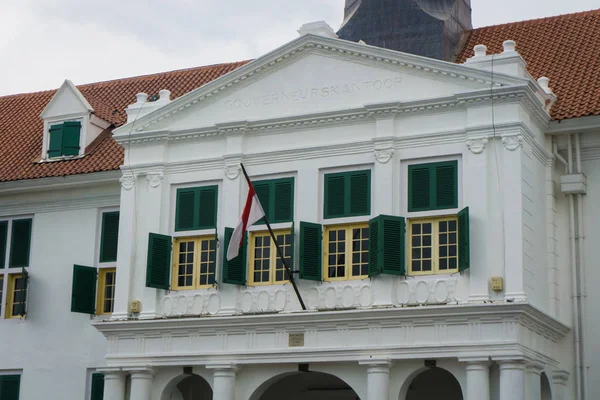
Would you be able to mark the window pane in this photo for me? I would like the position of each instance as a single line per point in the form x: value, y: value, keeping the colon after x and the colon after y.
x: 443, y: 239
x: 453, y: 251
x: 416, y: 266
x: 443, y: 263
x: 443, y: 226
x: 427, y: 228
x: 427, y: 252
x: 416, y: 241
x: 452, y: 238
x: 426, y: 265
x: 427, y: 240
x: 453, y: 263
x: 206, y: 275
x: 452, y: 225
x: 204, y: 245
x: 416, y: 229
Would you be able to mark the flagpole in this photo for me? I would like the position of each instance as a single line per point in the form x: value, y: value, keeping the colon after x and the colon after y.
x: 279, y: 253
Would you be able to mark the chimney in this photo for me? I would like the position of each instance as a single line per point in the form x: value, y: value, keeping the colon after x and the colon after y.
x: 430, y: 28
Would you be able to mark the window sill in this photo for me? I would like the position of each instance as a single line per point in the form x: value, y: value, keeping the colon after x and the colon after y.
x: 432, y: 213
x: 433, y: 276
x: 61, y: 158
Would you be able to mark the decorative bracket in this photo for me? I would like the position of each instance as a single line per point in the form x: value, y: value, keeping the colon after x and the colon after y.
x: 383, y: 156
x: 154, y: 179
x: 476, y: 146
x: 127, y: 181
x: 512, y: 143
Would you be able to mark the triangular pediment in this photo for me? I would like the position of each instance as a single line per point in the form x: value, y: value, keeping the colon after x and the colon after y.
x: 313, y: 75
x: 67, y: 100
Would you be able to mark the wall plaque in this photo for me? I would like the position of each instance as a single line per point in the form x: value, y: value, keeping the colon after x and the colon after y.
x: 296, y: 340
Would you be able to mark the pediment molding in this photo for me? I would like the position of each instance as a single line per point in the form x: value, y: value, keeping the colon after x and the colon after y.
x: 333, y: 47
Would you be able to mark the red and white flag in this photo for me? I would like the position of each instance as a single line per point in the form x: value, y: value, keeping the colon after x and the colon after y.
x: 253, y: 211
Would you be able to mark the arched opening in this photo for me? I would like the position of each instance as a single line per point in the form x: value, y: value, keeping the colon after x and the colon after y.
x: 433, y: 384
x: 305, y: 386
x: 546, y: 390
x: 188, y: 387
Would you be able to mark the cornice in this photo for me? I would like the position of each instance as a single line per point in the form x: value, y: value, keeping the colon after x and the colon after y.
x: 526, y: 314
x: 61, y: 204
x: 321, y: 45
x: 60, y: 182
x: 574, y: 125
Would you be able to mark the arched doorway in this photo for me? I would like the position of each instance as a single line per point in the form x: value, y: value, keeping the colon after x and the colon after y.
x: 305, y: 386
x: 188, y: 387
x: 546, y: 390
x: 434, y: 384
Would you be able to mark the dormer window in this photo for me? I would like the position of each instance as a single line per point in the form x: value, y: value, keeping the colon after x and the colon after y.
x: 64, y: 139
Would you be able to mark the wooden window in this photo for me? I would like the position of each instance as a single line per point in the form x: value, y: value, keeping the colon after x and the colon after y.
x: 9, y: 387
x: 265, y: 265
x: 276, y: 196
x: 347, y: 194
x: 196, y: 208
x: 386, y: 245
x: 194, y: 263
x: 158, y: 262
x: 16, y: 295
x: 64, y: 139
x: 106, y: 290
x: 433, y: 186
x: 83, y: 292
x: 234, y: 270
x: 311, y: 251
x: 346, y: 252
x: 433, y: 246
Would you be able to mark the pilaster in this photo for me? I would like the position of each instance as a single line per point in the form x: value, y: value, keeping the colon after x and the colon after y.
x: 533, y: 387
x: 475, y: 194
x: 560, y: 380
x: 478, y: 379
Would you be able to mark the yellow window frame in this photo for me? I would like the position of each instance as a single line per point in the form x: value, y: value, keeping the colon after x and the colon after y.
x: 348, y: 239
x: 1, y: 291
x: 273, y: 257
x: 101, y: 297
x: 435, y: 245
x: 10, y: 296
x: 197, y: 262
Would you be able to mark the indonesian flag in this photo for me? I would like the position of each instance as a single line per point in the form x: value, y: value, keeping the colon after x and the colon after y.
x: 253, y: 211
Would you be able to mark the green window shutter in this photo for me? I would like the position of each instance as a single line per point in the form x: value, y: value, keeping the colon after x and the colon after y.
x: 419, y: 187
x: 360, y: 193
x: 97, y: 386
x: 83, y: 294
x: 283, y: 207
x: 234, y: 271
x: 158, y: 268
x: 20, y: 243
x: 263, y: 191
x: 70, y: 138
x: 9, y: 387
x: 184, y: 214
x: 3, y: 242
x: 375, y: 267
x: 464, y: 257
x: 55, y: 141
x: 109, y: 236
x: 311, y: 251
x: 386, y: 245
x: 335, y: 196
x: 207, y: 208
x: 446, y: 195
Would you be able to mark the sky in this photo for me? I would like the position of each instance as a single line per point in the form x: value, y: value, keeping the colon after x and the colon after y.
x: 44, y: 42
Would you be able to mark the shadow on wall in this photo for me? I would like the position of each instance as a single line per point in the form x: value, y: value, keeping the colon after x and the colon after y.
x: 305, y: 386
x: 434, y: 384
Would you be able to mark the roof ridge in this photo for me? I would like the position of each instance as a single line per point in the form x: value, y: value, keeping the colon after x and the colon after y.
x: 542, y: 19
x: 85, y: 85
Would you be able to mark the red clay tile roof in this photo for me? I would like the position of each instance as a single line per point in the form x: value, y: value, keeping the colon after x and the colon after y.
x: 564, y: 48
x: 21, y: 126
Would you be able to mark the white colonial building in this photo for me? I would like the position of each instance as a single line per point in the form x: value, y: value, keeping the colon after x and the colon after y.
x: 432, y: 212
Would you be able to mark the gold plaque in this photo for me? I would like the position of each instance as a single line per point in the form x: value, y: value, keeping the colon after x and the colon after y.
x: 296, y: 340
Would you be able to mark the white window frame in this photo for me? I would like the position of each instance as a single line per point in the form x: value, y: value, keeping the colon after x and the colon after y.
x: 84, y: 119
x: 6, y: 271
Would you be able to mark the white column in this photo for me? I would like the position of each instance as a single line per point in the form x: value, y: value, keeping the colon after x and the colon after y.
x: 533, y: 382
x: 378, y: 379
x: 513, y: 217
x: 478, y: 380
x: 383, y: 178
x: 126, y: 248
x: 141, y: 384
x: 114, y: 384
x: 475, y: 196
x: 512, y: 380
x: 223, y: 381
x: 559, y: 385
